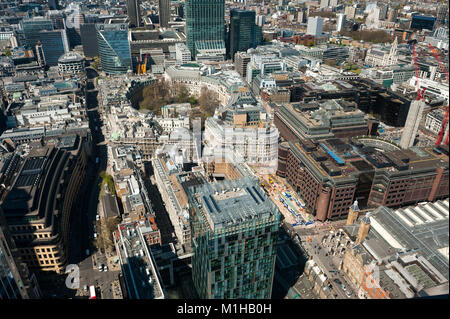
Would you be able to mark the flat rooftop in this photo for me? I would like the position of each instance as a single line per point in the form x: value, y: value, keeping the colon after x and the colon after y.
x: 232, y: 202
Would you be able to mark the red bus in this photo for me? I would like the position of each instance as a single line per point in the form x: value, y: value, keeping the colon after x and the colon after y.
x: 92, y: 292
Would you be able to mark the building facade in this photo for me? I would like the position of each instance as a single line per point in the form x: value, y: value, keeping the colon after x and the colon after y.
x: 329, y: 176
x: 134, y: 13
x: 32, y: 27
x: 114, y: 48
x: 54, y: 45
x: 164, y: 13
x: 41, y: 198
x: 242, y: 31
x: 234, y: 247
x: 205, y: 21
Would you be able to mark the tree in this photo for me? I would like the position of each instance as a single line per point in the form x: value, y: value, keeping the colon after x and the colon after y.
x: 208, y: 101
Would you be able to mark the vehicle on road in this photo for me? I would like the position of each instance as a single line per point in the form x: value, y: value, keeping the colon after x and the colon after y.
x: 97, y: 160
x: 97, y: 217
x: 87, y: 252
x: 95, y: 235
x: 92, y: 292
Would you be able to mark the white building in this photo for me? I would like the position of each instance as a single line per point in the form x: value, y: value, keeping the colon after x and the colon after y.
x: 372, y: 20
x: 340, y: 22
x: 433, y: 121
x: 433, y: 88
x: 171, y: 124
x: 315, y: 26
x: 254, y: 145
x: 379, y: 56
x: 71, y: 63
x: 182, y: 53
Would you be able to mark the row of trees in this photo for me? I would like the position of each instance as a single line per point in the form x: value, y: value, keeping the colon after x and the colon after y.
x: 376, y: 36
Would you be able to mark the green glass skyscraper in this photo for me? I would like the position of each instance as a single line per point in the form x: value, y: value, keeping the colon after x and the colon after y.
x: 205, y: 21
x: 234, y: 231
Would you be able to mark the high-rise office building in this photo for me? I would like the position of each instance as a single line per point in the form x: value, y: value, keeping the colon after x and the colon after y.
x: 350, y: 12
x: 179, y: 9
x: 134, y: 13
x: 53, y: 4
x: 164, y: 13
x: 340, y: 22
x: 383, y: 11
x: 412, y: 124
x: 241, y: 60
x: 114, y: 48
x: 242, y: 31
x: 54, y: 44
x: 441, y: 14
x: 88, y: 34
x: 32, y: 27
x: 205, y: 21
x: 315, y: 25
x: 57, y: 18
x: 234, y: 227
x: 260, y: 20
x: 73, y: 28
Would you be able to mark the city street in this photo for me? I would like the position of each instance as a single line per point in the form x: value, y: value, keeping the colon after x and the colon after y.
x: 329, y: 265
x: 82, y: 234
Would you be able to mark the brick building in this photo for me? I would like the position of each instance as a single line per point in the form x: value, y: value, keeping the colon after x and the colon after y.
x: 329, y: 174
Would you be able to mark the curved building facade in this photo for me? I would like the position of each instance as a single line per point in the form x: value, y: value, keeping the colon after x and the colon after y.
x: 71, y: 63
x: 43, y: 191
x: 114, y: 48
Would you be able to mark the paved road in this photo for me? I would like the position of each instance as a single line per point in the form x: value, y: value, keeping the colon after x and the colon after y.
x: 328, y: 265
x: 83, y: 226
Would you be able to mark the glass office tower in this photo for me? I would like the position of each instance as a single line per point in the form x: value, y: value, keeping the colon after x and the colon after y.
x: 205, y: 20
x: 242, y: 31
x: 164, y: 13
x: 32, y: 27
x: 54, y: 44
x: 234, y: 228
x: 114, y: 48
x: 134, y: 13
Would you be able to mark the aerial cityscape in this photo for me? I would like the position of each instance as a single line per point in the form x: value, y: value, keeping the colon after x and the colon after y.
x: 224, y: 149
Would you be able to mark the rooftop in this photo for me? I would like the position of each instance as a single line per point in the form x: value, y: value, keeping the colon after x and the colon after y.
x: 231, y: 202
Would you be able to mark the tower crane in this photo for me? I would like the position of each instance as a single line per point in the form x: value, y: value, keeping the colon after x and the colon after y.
x: 420, y: 93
